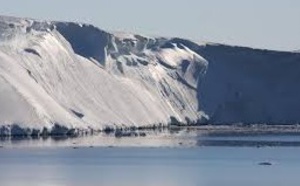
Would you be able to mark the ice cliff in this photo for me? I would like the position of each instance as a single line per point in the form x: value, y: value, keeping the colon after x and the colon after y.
x: 59, y: 77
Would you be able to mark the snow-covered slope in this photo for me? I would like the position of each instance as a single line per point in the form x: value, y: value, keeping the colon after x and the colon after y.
x: 56, y: 77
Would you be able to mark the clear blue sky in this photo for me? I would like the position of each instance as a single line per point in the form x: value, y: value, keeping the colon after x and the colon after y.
x: 272, y: 24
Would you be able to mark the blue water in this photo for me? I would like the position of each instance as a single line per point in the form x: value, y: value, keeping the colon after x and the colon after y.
x: 140, y: 166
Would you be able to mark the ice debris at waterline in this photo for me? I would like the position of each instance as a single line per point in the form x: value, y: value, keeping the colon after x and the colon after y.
x: 80, y: 77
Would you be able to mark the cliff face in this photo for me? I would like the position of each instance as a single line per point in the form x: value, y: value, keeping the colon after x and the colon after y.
x: 78, y: 76
x: 250, y: 86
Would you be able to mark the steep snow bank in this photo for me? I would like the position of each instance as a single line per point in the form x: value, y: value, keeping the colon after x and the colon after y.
x: 62, y: 76
x: 56, y: 77
x: 86, y: 40
x: 250, y: 86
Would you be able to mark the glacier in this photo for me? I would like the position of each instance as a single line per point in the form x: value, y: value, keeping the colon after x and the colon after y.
x: 65, y: 77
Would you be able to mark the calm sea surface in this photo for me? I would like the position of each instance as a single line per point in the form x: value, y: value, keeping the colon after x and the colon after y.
x: 164, y: 160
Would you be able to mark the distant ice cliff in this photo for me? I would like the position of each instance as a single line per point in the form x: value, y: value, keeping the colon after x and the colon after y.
x: 59, y: 77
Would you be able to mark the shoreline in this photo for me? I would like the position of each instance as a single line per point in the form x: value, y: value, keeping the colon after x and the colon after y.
x: 173, y: 136
x: 232, y: 129
x: 209, y: 129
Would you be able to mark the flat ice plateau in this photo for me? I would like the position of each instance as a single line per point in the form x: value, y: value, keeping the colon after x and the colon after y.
x: 63, y: 77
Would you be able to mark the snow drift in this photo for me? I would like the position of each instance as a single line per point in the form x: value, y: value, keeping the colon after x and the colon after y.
x: 59, y: 78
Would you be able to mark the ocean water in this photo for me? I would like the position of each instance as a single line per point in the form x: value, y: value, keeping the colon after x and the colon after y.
x: 150, y: 162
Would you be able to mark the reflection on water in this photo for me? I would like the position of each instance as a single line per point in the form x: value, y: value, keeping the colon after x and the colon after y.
x: 164, y: 138
x: 201, y: 160
x: 128, y: 166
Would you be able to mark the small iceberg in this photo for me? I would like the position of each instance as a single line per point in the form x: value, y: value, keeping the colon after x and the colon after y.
x: 265, y: 163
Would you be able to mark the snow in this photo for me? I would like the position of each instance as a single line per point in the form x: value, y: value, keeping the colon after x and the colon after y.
x: 243, y: 85
x: 78, y: 76
x: 63, y: 76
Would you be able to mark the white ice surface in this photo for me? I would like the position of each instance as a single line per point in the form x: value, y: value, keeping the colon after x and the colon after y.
x: 78, y: 76
x: 45, y: 82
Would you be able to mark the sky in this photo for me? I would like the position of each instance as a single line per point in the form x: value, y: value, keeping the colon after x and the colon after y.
x: 268, y: 24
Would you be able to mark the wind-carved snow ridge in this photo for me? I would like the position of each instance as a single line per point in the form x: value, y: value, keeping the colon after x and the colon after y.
x: 63, y: 78
x: 86, y: 40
